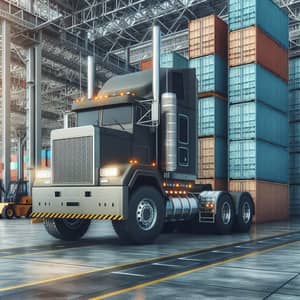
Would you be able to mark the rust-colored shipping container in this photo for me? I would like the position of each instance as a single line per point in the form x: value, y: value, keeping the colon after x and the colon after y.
x: 212, y: 158
x: 271, y: 198
x: 207, y: 36
x: 216, y: 184
x: 146, y: 64
x: 251, y: 45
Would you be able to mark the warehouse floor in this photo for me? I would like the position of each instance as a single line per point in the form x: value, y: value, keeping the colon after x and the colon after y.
x: 178, y: 266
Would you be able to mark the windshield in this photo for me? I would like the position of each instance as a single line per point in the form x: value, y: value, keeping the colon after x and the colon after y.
x: 117, y: 115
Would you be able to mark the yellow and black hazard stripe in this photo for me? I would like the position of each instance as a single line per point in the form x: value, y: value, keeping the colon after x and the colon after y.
x: 76, y: 216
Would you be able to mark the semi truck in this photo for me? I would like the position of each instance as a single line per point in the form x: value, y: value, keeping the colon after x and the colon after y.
x: 132, y: 159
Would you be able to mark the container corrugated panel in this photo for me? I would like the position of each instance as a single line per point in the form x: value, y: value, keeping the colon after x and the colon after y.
x: 294, y: 168
x: 208, y: 36
x: 294, y: 200
x: 294, y: 137
x: 294, y: 105
x: 249, y: 82
x: 212, y: 117
x: 251, y: 45
x: 255, y: 120
x: 271, y: 199
x: 173, y: 60
x: 211, y: 74
x: 294, y: 73
x: 216, y: 184
x: 264, y: 13
x: 212, y: 158
x: 254, y: 159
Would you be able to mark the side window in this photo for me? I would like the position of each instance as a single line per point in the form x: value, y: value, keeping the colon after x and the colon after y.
x: 183, y: 156
x: 183, y: 134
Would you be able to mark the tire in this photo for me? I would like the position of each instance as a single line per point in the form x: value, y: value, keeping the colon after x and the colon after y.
x: 66, y: 229
x: 144, y: 201
x: 169, y: 227
x: 8, y: 212
x: 244, y: 218
x: 225, y: 215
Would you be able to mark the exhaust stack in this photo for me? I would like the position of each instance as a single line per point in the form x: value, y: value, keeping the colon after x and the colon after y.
x: 91, y: 76
x: 156, y: 75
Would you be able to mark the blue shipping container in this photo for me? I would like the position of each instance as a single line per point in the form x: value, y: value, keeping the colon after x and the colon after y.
x: 263, y: 13
x: 173, y: 60
x: 255, y: 120
x: 212, y: 117
x: 253, y: 82
x: 294, y: 105
x: 294, y: 200
x: 295, y: 137
x: 254, y: 159
x: 294, y: 73
x: 295, y: 168
x: 211, y: 73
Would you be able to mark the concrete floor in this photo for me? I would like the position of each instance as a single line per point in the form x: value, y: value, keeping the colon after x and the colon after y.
x: 29, y: 257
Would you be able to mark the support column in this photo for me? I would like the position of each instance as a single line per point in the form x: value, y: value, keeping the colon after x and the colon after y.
x: 38, y: 103
x: 20, y: 158
x: 6, y: 87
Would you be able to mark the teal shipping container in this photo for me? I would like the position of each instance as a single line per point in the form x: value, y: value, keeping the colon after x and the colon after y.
x: 173, y: 60
x: 211, y: 73
x: 262, y: 13
x: 255, y: 120
x: 254, y: 159
x: 295, y: 137
x: 295, y: 168
x: 294, y: 106
x: 294, y: 73
x: 294, y: 190
x: 212, y: 117
x: 253, y: 82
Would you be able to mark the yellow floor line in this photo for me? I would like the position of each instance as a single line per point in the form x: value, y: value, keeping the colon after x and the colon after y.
x: 153, y: 282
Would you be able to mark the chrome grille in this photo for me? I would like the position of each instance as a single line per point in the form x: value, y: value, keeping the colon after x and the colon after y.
x: 73, y: 161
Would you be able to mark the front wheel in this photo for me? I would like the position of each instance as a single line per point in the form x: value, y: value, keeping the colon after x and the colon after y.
x: 67, y: 229
x: 146, y: 213
x: 8, y: 212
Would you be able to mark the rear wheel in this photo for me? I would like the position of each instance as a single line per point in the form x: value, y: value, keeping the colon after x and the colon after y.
x: 146, y: 213
x: 8, y: 212
x: 245, y: 214
x: 67, y: 229
x: 224, y: 215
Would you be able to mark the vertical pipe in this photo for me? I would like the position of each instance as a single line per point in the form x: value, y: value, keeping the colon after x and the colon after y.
x: 20, y: 159
x: 91, y: 76
x: 6, y: 87
x: 156, y: 74
x: 66, y: 120
x: 37, y: 104
x: 30, y: 116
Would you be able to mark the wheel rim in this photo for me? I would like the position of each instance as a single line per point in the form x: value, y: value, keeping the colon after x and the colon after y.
x: 246, y: 212
x: 146, y: 214
x: 72, y: 223
x: 226, y: 213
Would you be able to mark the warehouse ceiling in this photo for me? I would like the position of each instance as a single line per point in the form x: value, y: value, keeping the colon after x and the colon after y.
x: 113, y: 30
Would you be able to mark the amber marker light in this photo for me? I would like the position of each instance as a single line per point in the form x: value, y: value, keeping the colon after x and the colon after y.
x: 122, y: 94
x: 133, y: 94
x: 153, y: 164
x: 105, y: 96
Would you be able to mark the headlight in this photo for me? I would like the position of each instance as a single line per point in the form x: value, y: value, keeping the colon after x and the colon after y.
x: 109, y: 172
x: 43, y: 177
x: 43, y: 174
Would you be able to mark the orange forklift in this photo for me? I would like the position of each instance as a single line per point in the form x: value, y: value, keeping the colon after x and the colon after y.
x: 17, y: 203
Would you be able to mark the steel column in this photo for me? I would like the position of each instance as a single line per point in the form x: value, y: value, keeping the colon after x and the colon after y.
x: 6, y: 87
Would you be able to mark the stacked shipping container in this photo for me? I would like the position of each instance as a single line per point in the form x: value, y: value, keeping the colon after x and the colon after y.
x: 294, y: 118
x: 258, y: 105
x: 167, y: 60
x: 208, y: 55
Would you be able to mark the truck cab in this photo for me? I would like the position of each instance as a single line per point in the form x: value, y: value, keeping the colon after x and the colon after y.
x: 118, y: 165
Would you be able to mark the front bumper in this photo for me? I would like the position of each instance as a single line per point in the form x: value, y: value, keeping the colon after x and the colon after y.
x: 84, y: 202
